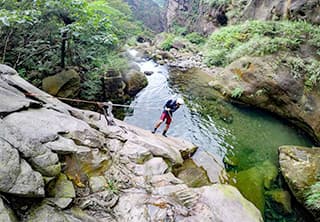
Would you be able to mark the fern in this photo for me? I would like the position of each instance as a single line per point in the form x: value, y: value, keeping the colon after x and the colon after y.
x: 313, y: 196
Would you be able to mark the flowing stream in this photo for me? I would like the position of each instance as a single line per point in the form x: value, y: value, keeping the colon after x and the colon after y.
x: 242, y: 138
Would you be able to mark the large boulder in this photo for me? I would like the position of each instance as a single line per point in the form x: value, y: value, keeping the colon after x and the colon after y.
x: 135, y: 81
x: 63, y: 84
x: 300, y: 167
x: 12, y: 99
x: 16, y: 175
x: 265, y: 83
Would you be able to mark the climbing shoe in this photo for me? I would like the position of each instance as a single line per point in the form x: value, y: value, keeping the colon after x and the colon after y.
x: 164, y: 134
x: 154, y: 130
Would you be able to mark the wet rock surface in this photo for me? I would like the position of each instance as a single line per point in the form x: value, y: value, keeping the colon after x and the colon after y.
x: 66, y: 164
x: 300, y: 167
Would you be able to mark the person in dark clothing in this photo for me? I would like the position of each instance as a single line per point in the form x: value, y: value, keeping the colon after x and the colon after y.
x: 169, y: 108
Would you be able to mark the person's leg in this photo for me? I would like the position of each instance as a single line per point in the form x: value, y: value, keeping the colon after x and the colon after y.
x: 162, y: 118
x: 157, y: 126
x: 168, y: 121
x: 164, y: 133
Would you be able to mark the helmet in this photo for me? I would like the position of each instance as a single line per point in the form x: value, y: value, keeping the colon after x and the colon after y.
x: 180, y: 101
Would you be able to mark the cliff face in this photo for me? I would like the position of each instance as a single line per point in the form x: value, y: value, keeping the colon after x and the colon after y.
x: 148, y: 12
x: 308, y: 10
x: 205, y: 16
x: 195, y: 15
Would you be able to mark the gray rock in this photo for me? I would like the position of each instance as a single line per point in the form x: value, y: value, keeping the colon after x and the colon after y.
x: 64, y: 146
x: 101, y: 201
x: 62, y: 203
x: 217, y: 196
x: 6, y: 214
x: 61, y: 188
x: 131, y: 207
x: 148, y: 73
x: 135, y: 152
x: 155, y: 166
x: 13, y: 79
x: 214, y: 169
x: 11, y: 99
x: 46, y: 213
x: 7, y: 70
x: 47, y: 164
x: 167, y: 147
x: 46, y: 127
x: 97, y: 183
x: 9, y: 166
x: 29, y: 183
x: 165, y: 180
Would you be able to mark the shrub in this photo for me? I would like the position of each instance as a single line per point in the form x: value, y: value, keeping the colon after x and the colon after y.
x: 167, y: 43
x: 216, y: 2
x: 258, y: 38
x: 195, y: 38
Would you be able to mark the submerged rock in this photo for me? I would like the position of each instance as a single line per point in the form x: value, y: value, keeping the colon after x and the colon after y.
x: 251, y: 185
x: 281, y: 200
x: 253, y: 182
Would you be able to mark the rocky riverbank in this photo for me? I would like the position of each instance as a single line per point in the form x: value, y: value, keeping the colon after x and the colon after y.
x: 65, y: 164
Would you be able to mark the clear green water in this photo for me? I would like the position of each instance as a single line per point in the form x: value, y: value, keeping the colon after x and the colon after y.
x: 249, y: 140
x: 243, y: 138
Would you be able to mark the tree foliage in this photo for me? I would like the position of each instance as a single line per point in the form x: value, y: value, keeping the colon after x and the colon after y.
x: 40, y: 37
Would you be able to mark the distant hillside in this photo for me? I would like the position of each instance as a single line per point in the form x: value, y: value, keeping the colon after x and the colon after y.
x: 149, y: 12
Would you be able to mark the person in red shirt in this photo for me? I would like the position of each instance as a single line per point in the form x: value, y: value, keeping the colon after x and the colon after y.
x: 169, y: 108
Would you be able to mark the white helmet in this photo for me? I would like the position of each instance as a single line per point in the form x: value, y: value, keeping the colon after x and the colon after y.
x: 180, y: 101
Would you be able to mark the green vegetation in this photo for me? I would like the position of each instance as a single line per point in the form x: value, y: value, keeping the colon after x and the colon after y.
x: 192, y: 41
x: 237, y: 92
x: 216, y: 2
x: 313, y: 196
x: 258, y: 38
x: 195, y: 38
x: 43, y: 36
x: 307, y: 69
x: 166, y: 44
x: 113, y: 186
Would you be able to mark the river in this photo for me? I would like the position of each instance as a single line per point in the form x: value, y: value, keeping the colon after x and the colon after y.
x: 240, y: 137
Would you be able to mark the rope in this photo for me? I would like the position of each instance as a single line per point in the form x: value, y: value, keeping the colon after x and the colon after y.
x: 89, y: 102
